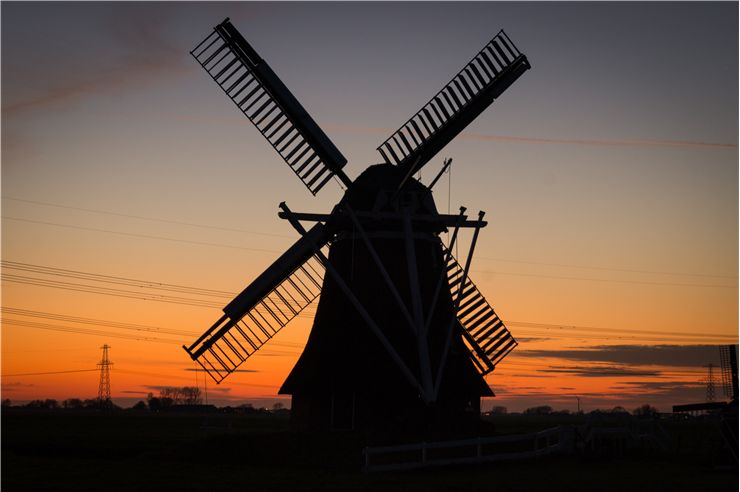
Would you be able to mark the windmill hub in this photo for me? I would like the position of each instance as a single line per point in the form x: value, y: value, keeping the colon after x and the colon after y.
x: 402, y: 337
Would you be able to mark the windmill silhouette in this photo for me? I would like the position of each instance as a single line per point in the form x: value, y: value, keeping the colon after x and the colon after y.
x: 401, y: 334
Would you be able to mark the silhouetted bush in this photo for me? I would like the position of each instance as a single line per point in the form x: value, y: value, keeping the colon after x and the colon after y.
x: 645, y: 411
x: 540, y: 410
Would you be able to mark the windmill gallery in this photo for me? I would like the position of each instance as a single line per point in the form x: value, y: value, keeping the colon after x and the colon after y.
x: 402, y: 337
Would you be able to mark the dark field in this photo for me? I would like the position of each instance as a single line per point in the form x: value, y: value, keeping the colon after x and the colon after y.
x: 64, y: 450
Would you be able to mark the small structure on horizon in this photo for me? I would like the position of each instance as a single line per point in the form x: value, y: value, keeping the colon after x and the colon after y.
x: 402, y: 337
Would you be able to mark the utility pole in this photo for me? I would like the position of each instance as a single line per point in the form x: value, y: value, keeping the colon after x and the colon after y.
x: 104, y: 385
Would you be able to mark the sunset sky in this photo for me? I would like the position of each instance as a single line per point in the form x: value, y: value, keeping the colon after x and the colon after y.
x: 137, y: 200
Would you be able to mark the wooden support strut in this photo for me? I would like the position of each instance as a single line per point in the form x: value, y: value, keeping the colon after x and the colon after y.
x: 453, y: 318
x: 441, y: 219
x: 359, y: 307
x: 425, y: 368
x: 381, y: 268
x: 443, y: 273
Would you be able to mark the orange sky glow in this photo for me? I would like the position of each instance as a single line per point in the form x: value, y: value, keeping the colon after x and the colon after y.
x: 136, y: 202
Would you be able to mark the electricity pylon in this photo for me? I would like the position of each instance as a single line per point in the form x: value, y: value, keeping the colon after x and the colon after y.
x: 104, y: 386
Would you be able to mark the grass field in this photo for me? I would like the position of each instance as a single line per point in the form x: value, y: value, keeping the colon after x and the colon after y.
x: 71, y: 451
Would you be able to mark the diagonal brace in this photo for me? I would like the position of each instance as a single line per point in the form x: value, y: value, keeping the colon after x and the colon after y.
x: 381, y: 268
x: 453, y: 317
x: 360, y: 309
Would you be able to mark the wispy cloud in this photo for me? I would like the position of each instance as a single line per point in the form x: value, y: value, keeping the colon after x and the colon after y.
x: 601, y: 371
x: 526, y: 139
x: 216, y: 389
x: 138, y: 50
x: 654, y: 355
x: 15, y: 386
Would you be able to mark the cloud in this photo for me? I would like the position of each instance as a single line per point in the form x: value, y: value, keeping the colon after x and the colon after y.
x: 601, y: 371
x: 15, y: 386
x: 601, y: 142
x: 525, y: 139
x: 127, y: 49
x: 653, y: 355
x: 532, y: 339
x: 527, y: 376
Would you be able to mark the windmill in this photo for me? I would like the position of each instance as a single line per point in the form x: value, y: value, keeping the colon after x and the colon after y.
x: 401, y: 333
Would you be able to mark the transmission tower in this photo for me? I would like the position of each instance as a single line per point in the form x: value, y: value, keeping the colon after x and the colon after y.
x: 710, y: 382
x: 104, y: 386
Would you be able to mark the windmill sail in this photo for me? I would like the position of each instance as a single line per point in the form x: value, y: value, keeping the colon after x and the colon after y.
x: 258, y: 93
x: 491, y: 71
x: 487, y: 338
x: 269, y: 303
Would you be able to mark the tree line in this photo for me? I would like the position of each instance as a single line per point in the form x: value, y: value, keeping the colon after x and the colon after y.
x: 169, y: 396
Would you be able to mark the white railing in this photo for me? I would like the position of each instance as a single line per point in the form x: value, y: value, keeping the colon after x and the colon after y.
x: 467, y: 451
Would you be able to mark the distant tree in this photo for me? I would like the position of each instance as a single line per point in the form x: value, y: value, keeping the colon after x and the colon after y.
x: 247, y: 408
x: 277, y: 407
x: 91, y: 403
x: 140, y: 406
x: 45, y: 404
x: 645, y: 411
x: 187, y: 395
x: 72, y: 403
x: 157, y: 403
x: 191, y: 395
x: 6, y: 403
x: 171, y: 393
x: 540, y: 410
x: 619, y: 410
x: 499, y: 410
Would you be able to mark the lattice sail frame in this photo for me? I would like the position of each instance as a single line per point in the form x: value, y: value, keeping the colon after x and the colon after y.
x: 262, y: 97
x: 231, y: 341
x: 488, y: 340
x: 491, y: 71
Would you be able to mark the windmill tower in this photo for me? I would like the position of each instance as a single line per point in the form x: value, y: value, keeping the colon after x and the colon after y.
x: 401, y: 335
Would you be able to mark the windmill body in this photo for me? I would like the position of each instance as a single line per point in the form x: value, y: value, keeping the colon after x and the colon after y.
x: 345, y: 378
x: 402, y: 336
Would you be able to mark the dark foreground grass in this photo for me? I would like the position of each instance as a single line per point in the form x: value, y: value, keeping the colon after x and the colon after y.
x: 77, y: 452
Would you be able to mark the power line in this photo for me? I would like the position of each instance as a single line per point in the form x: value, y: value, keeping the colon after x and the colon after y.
x: 141, y: 284
x: 97, y: 322
x: 31, y: 268
x: 664, y: 339
x: 84, y: 331
x: 154, y: 285
x: 628, y: 270
x: 526, y: 324
x: 108, y: 291
x: 112, y: 324
x: 145, y: 236
x: 643, y: 282
x: 140, y: 217
x: 45, y: 373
